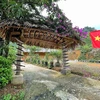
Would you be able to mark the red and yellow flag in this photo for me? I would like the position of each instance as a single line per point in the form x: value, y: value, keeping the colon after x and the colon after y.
x: 95, y: 38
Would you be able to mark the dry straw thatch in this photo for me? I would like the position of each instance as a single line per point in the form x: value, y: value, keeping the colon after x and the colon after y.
x: 35, y: 34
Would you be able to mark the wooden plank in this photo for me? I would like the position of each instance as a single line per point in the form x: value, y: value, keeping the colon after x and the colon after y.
x: 40, y: 42
x: 15, y: 33
x: 35, y: 29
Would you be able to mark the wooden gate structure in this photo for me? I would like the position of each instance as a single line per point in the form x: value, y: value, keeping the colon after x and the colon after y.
x: 36, y: 35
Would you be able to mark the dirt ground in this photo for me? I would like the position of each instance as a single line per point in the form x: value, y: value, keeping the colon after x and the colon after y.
x: 10, y: 89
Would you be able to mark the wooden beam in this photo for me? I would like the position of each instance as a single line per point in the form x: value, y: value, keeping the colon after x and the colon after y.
x: 44, y: 41
x: 35, y: 29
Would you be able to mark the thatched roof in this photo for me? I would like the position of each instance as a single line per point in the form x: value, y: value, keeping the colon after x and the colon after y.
x: 35, y: 34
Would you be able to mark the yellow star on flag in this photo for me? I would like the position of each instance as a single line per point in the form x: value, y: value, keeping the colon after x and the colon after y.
x: 97, y: 38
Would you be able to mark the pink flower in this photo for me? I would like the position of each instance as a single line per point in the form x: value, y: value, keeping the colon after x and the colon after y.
x: 53, y: 4
x: 60, y: 20
x: 59, y: 15
x: 45, y: 5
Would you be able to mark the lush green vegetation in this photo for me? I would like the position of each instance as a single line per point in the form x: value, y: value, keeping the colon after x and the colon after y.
x: 22, y: 9
x: 47, y: 60
x: 87, y: 48
x: 12, y: 52
x: 18, y: 96
x: 6, y: 65
x: 5, y: 71
x: 57, y: 55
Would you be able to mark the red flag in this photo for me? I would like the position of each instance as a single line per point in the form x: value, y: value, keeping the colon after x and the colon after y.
x: 95, y: 38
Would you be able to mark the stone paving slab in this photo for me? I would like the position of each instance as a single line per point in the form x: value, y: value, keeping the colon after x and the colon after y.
x: 46, y: 84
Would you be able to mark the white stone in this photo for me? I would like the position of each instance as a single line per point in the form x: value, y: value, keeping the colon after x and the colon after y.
x: 17, y: 79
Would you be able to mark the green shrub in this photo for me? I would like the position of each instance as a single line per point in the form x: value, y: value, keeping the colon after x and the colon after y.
x: 5, y: 71
x: 7, y: 97
x: 18, y: 96
x: 12, y: 53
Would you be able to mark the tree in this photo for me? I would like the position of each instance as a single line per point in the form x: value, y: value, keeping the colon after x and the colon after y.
x: 88, y: 29
x: 32, y: 49
x: 88, y: 45
x: 22, y: 9
x: 57, y: 55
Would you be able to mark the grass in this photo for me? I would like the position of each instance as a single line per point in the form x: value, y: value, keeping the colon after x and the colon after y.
x: 86, y: 70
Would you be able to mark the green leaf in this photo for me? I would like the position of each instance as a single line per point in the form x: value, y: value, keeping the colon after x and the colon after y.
x: 7, y: 97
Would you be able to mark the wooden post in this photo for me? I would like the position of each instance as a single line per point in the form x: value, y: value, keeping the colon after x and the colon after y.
x: 19, y: 56
x: 7, y: 40
x: 65, y: 70
x: 1, y: 46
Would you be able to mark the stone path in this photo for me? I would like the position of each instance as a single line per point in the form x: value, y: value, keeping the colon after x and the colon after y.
x: 45, y: 84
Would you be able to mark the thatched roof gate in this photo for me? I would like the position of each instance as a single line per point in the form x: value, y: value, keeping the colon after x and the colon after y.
x: 35, y: 34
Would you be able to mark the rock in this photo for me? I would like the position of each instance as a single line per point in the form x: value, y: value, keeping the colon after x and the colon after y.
x: 17, y: 80
x: 39, y: 91
x: 65, y: 96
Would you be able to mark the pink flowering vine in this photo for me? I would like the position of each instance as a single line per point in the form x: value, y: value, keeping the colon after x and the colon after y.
x: 60, y: 24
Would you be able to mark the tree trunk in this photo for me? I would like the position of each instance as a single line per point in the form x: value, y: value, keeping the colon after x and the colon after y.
x: 4, y: 48
x: 7, y: 40
x: 1, y: 46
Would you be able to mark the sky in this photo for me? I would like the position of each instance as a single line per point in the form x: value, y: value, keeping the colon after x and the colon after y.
x: 82, y: 12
